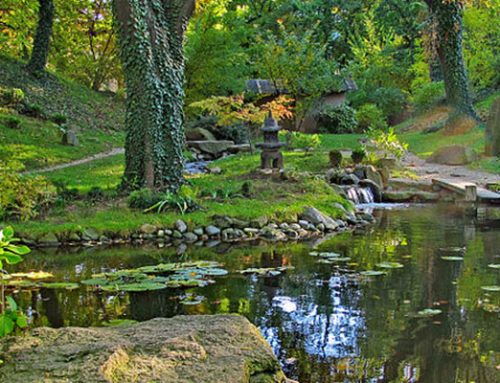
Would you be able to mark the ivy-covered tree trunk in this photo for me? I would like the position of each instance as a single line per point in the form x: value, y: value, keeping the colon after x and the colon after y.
x: 151, y: 37
x: 40, y: 52
x: 449, y: 29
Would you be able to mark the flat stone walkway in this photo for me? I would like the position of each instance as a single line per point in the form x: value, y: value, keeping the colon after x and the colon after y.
x: 428, y: 172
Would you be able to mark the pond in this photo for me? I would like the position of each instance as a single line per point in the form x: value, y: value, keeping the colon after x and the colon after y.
x: 427, y: 318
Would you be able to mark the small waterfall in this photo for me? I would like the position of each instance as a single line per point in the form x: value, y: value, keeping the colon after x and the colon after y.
x: 360, y: 195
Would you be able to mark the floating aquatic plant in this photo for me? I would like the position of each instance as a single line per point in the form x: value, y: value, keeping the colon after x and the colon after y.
x: 172, y: 275
x: 60, y: 285
x: 269, y: 271
x: 457, y: 259
x: 427, y: 313
x: 372, y: 273
x: 491, y: 289
x: 390, y: 265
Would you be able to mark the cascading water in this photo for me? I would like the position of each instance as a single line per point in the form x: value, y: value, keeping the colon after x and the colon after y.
x: 360, y: 195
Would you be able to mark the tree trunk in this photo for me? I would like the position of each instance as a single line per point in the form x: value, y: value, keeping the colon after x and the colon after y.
x: 151, y: 37
x: 40, y: 53
x: 448, y: 16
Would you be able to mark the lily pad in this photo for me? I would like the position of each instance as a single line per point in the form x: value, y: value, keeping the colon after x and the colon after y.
x: 334, y: 260
x: 453, y: 249
x: 330, y: 255
x: 457, y: 259
x: 20, y: 283
x: 372, y: 273
x: 192, y: 300
x: 427, y: 313
x: 134, y: 287
x: 491, y: 289
x: 61, y: 285
x: 36, y: 275
x: 494, y: 266
x: 390, y: 265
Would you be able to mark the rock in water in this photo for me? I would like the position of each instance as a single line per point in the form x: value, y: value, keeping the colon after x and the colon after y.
x: 453, y: 155
x: 493, y: 130
x: 184, y: 349
x: 316, y: 217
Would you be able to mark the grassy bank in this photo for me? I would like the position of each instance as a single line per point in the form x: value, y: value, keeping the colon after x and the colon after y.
x: 277, y: 198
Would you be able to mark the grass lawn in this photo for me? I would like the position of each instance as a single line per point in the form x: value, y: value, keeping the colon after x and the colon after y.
x: 37, y: 143
x: 273, y: 197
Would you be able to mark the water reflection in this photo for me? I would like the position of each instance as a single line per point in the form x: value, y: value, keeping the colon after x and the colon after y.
x: 325, y: 322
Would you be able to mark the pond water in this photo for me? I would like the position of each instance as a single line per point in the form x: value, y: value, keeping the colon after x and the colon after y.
x: 325, y: 321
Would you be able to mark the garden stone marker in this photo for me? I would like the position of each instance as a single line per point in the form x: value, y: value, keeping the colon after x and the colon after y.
x: 70, y: 138
x: 493, y: 130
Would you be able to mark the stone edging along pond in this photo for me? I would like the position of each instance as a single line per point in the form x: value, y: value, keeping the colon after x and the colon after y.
x: 312, y: 223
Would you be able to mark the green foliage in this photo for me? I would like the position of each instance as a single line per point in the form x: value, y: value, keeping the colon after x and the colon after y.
x: 183, y: 201
x: 31, y: 110
x: 337, y: 119
x: 10, y: 317
x: 481, y: 42
x: 238, y: 133
x: 388, y: 143
x: 59, y: 118
x: 369, y: 116
x: 23, y: 196
x: 297, y: 140
x: 358, y: 155
x: 336, y: 158
x: 10, y: 97
x: 12, y: 122
x: 216, y: 61
x: 428, y: 95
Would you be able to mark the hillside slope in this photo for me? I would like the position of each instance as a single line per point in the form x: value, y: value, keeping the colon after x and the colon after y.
x: 96, y: 118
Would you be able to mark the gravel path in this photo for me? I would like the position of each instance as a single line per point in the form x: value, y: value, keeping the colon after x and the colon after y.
x: 428, y: 171
x: 95, y: 157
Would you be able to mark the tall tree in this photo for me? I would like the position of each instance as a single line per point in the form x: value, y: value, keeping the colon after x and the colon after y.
x: 40, y: 52
x: 448, y: 15
x: 151, y: 39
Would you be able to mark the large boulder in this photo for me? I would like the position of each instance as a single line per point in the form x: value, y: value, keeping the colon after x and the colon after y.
x: 184, y: 349
x: 493, y: 130
x: 453, y: 155
x: 316, y: 217
x: 199, y: 134
x: 213, y: 148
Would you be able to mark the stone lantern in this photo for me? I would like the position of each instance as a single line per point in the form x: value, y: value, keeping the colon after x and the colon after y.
x: 271, y: 157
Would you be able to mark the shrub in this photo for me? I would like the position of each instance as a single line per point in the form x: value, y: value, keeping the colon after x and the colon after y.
x: 204, y: 122
x: 11, y: 96
x: 336, y: 158
x: 428, y: 95
x: 31, y: 110
x: 12, y: 122
x: 388, y: 143
x: 391, y: 101
x: 59, y: 119
x: 23, y: 197
x: 95, y: 194
x: 236, y: 133
x: 370, y: 116
x: 143, y: 199
x: 337, y: 119
x: 150, y: 201
x: 358, y: 155
x: 296, y: 140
